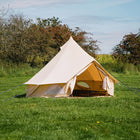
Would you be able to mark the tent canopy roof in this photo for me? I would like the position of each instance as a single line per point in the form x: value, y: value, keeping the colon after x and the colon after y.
x: 69, y: 61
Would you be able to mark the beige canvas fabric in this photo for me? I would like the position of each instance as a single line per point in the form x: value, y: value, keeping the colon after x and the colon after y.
x: 60, y: 76
x: 67, y: 63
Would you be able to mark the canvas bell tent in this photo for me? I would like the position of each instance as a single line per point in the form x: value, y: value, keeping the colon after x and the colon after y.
x: 70, y: 71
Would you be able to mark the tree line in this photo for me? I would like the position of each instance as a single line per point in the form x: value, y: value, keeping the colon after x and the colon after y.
x: 36, y: 43
x: 128, y: 50
x: 23, y: 41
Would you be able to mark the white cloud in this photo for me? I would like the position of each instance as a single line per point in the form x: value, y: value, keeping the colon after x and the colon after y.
x: 29, y: 3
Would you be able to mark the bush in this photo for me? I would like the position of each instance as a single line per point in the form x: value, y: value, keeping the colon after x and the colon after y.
x: 112, y: 64
x: 130, y: 68
x: 138, y: 67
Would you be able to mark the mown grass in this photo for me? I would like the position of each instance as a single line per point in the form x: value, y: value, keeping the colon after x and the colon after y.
x: 110, y: 118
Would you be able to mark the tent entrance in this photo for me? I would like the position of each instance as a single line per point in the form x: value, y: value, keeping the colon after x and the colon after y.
x: 89, y: 89
x: 88, y: 93
x: 90, y: 83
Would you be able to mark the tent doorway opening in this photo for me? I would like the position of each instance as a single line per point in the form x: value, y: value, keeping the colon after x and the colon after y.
x: 89, y: 93
x: 84, y: 89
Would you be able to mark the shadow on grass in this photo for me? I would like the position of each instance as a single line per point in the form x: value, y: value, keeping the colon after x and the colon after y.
x: 20, y: 96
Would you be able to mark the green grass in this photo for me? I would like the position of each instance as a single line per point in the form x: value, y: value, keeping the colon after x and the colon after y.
x: 104, y: 118
x: 11, y: 69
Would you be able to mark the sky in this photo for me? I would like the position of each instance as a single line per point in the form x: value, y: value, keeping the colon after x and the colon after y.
x: 107, y: 20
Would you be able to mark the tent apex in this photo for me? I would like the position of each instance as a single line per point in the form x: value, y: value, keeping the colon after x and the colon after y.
x: 71, y: 38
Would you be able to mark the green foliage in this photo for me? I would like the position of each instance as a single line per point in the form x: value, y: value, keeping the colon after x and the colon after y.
x: 70, y: 118
x: 111, y: 64
x: 130, y: 68
x: 22, y: 41
x: 138, y: 66
x: 50, y: 22
x: 129, y: 49
x: 12, y: 69
x: 12, y: 40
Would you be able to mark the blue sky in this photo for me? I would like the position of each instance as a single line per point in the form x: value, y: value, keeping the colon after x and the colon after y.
x: 108, y: 20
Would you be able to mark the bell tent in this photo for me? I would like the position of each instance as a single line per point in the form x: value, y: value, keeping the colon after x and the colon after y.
x: 72, y: 72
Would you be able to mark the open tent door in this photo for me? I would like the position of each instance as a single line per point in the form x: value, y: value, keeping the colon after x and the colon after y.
x: 90, y: 83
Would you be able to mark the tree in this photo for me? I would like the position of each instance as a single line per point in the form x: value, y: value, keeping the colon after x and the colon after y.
x: 129, y: 49
x: 40, y: 50
x: 13, y: 45
x: 49, y: 22
x: 61, y: 33
x: 22, y: 41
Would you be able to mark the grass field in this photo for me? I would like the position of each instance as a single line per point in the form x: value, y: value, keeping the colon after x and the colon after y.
x: 103, y: 118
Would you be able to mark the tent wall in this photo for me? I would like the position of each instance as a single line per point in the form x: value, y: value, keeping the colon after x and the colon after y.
x: 92, y: 73
x: 54, y: 90
x: 93, y: 77
x: 108, y: 85
x: 110, y: 90
x: 51, y: 90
